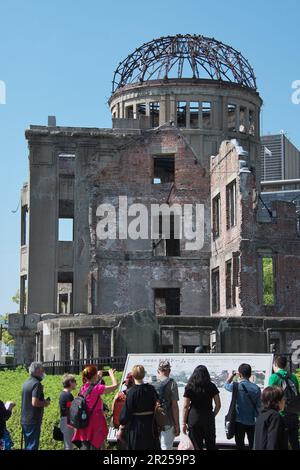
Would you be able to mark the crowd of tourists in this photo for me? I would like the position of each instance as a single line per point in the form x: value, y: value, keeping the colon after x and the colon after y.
x: 146, y: 416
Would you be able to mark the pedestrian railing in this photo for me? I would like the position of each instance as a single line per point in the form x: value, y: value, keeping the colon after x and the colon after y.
x: 74, y: 366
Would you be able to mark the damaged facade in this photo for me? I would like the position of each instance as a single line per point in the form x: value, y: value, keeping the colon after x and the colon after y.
x: 173, y: 140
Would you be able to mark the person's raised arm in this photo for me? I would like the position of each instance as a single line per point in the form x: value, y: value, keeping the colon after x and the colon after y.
x: 114, y: 386
x: 217, y: 401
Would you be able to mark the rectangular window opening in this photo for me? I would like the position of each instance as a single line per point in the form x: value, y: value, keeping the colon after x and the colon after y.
x: 172, y: 243
x: 242, y: 119
x: 164, y: 170
x: 251, y: 122
x: 129, y: 112
x: 206, y: 114
x: 141, y: 109
x: 154, y: 114
x: 24, y: 225
x: 216, y: 207
x: 215, y: 290
x: 194, y: 114
x: 229, y: 286
x: 23, y: 295
x: 231, y: 117
x: 65, y: 229
x: 65, y: 293
x: 167, y: 301
x: 231, y: 205
x: 268, y: 278
x: 66, y: 156
x: 181, y: 113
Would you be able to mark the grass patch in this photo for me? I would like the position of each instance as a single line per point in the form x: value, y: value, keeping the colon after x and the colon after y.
x: 11, y: 382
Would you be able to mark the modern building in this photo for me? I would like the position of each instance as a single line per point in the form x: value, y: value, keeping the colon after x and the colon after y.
x: 280, y: 171
x: 280, y: 159
x: 185, y: 131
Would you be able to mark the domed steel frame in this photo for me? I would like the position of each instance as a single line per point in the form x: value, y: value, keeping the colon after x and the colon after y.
x: 170, y: 57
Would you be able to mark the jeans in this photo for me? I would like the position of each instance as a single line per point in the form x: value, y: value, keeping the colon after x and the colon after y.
x: 292, y: 424
x: 31, y: 433
x: 240, y: 431
x: 67, y: 432
x: 167, y: 438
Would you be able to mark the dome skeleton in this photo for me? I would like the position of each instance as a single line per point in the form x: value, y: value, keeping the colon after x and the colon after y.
x: 205, y: 57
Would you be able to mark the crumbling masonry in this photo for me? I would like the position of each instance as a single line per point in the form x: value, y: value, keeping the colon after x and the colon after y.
x: 174, y: 139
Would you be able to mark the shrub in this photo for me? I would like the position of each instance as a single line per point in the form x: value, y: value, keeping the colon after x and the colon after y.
x: 10, y: 390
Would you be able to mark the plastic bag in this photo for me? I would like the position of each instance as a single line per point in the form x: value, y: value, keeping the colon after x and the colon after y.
x: 185, y: 443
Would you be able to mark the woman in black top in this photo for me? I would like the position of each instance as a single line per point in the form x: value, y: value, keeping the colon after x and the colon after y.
x: 65, y: 400
x: 138, y: 414
x: 198, y: 413
x: 270, y: 431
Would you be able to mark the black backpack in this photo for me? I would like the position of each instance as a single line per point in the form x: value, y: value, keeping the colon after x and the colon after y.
x: 231, y: 415
x: 78, y: 413
x: 289, y: 389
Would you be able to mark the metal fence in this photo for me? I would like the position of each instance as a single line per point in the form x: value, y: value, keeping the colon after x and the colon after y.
x: 75, y: 366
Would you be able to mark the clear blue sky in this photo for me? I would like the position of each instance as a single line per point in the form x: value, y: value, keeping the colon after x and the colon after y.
x: 58, y: 57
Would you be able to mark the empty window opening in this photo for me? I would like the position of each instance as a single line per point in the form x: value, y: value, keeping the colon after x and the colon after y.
x: 66, y: 156
x: 65, y: 230
x: 167, y: 301
x: 251, y: 122
x: 216, y: 207
x: 173, y: 244
x: 94, y: 294
x: 231, y: 117
x: 268, y: 278
x: 141, y: 109
x: 66, y: 194
x: 215, y: 290
x: 164, y: 170
x: 229, y: 286
x: 194, y: 114
x: 23, y: 295
x: 181, y: 114
x: 168, y: 243
x: 24, y: 225
x: 206, y: 114
x: 65, y: 293
x: 231, y: 204
x: 129, y: 112
x: 242, y: 119
x: 154, y: 114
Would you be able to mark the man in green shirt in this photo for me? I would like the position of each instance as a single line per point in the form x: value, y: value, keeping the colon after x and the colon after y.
x: 279, y: 378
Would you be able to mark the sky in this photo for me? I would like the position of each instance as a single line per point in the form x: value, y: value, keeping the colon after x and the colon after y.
x: 58, y: 57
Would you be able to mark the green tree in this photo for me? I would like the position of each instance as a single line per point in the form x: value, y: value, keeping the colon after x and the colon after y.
x: 6, y: 337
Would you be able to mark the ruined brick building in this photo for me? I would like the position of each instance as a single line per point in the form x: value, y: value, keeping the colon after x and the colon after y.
x: 185, y: 130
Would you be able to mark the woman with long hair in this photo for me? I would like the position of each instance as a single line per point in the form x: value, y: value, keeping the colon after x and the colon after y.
x: 138, y: 415
x: 93, y: 436
x: 198, y: 412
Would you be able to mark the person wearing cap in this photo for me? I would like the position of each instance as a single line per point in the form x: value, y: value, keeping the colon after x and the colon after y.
x: 167, y: 390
